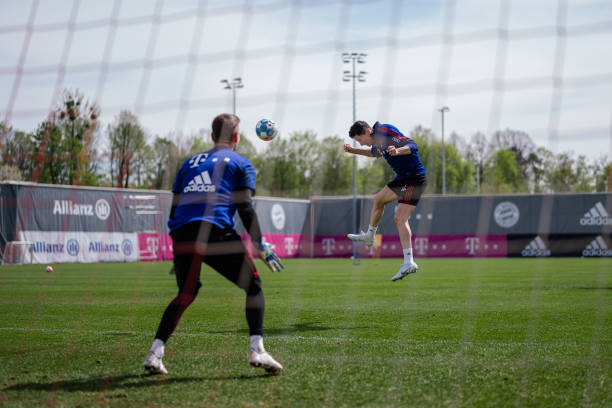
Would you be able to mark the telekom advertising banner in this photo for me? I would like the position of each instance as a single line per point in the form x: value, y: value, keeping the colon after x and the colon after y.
x: 49, y: 223
x: 438, y: 246
x: 154, y: 246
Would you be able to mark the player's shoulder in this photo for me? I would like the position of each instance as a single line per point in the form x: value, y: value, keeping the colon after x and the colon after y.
x: 236, y: 160
x: 389, y: 127
x: 194, y: 160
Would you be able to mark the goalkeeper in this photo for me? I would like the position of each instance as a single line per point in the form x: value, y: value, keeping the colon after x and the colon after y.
x: 208, y: 190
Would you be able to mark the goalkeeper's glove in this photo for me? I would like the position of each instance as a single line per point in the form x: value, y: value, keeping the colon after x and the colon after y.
x: 269, y: 257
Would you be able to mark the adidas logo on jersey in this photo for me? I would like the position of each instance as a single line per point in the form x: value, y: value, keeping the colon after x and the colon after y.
x: 596, y: 216
x: 200, y: 184
x: 597, y: 247
x: 536, y: 247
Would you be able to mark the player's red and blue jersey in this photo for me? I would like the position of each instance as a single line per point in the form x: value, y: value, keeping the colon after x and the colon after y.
x: 404, y: 166
x: 206, y: 184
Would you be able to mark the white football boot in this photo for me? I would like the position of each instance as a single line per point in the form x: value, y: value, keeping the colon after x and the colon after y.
x: 153, y: 364
x: 265, y: 360
x: 364, y: 237
x: 405, y: 269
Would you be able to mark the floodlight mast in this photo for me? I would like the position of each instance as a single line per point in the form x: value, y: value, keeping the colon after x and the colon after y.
x: 354, y: 76
x: 233, y: 85
x: 442, y: 110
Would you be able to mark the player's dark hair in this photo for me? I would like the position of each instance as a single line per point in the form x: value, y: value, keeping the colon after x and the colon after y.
x: 223, y: 127
x: 358, y: 128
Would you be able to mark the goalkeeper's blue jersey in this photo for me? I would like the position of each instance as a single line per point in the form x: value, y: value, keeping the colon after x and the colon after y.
x: 206, y: 184
x: 404, y: 166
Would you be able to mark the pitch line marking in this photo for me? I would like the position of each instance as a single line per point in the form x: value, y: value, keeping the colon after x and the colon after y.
x: 301, y: 337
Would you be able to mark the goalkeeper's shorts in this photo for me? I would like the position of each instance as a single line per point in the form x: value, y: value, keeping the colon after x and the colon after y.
x: 221, y: 249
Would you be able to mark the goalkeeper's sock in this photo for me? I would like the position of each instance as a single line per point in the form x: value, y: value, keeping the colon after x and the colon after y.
x: 158, y: 348
x: 257, y: 343
x: 372, y: 231
x: 408, y: 256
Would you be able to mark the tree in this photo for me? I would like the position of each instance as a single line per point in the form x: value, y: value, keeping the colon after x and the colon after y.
x: 585, y: 177
x: 539, y: 165
x: 459, y: 172
x: 53, y: 162
x: 10, y: 172
x: 77, y: 120
x: 166, y: 163
x: 502, y: 174
x: 521, y: 145
x: 142, y: 165
x: 460, y: 144
x: 289, y: 164
x: 127, y: 139
x: 561, y: 178
x: 477, y: 154
x: 333, y: 172
x: 602, y: 174
x: 17, y: 152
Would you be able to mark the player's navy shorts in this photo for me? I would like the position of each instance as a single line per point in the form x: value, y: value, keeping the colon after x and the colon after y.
x: 409, y: 190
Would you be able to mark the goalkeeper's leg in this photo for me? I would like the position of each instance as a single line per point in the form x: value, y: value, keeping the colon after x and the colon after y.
x: 187, y: 266
x: 238, y: 268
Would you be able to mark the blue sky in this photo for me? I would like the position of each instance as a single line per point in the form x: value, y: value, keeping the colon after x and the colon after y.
x: 492, y: 62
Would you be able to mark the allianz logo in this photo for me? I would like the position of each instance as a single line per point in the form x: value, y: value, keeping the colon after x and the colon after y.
x: 596, y: 216
x: 100, y: 209
x: 201, y: 183
x: 597, y: 247
x: 536, y: 247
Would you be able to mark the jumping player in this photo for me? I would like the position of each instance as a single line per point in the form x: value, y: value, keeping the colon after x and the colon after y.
x: 208, y: 190
x: 402, y: 155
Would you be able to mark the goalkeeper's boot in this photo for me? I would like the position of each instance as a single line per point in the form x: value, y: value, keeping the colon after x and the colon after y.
x: 153, y: 364
x: 264, y: 359
x: 364, y: 237
x: 405, y: 269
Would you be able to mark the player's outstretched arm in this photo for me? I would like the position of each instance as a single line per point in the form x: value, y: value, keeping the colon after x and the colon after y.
x: 358, y: 150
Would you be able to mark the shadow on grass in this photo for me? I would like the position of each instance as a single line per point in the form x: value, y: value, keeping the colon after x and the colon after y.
x: 295, y: 328
x: 122, y: 381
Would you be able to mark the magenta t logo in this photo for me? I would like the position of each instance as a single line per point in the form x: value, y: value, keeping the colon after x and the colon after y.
x: 289, y: 245
x: 329, y: 244
x: 421, y: 245
x: 472, y: 244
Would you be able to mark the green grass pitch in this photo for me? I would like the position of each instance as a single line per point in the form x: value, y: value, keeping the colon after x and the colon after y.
x: 459, y: 333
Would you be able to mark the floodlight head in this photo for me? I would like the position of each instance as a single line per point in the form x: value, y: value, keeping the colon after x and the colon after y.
x: 444, y: 109
x: 238, y: 79
x: 361, y: 58
x: 346, y: 57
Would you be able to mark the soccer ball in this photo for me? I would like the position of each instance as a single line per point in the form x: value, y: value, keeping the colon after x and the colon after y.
x: 49, y: 269
x: 266, y: 129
